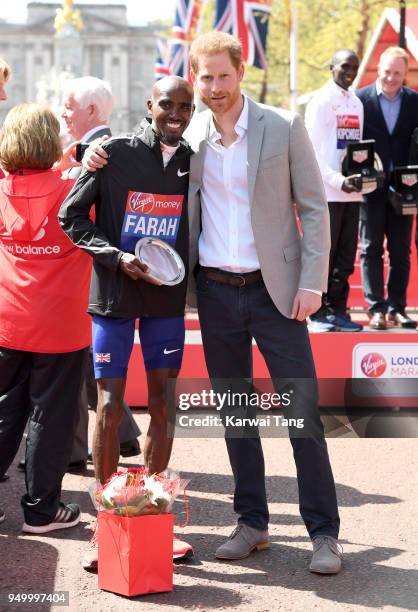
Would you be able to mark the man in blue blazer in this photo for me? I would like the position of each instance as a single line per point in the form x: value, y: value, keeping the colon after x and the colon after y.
x: 390, y: 117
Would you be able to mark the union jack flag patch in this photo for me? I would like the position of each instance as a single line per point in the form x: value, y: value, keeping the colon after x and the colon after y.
x: 102, y: 357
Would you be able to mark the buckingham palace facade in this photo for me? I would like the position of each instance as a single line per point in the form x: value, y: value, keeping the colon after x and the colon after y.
x: 111, y: 49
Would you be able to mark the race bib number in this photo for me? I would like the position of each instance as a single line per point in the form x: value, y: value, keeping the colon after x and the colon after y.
x: 348, y: 130
x: 151, y: 215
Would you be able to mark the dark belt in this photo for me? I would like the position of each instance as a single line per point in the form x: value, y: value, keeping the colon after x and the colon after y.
x: 232, y: 278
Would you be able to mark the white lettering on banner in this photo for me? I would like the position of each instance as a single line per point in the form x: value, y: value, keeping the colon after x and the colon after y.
x: 172, y: 226
x: 163, y: 228
x: 348, y: 133
x: 130, y: 222
x: 140, y: 226
x: 348, y: 130
x: 17, y: 249
x: 161, y: 204
x: 151, y: 226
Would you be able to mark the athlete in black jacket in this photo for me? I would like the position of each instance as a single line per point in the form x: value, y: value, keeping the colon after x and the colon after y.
x: 128, y: 207
x: 141, y: 191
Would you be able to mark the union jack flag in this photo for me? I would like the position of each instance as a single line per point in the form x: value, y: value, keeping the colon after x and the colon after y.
x: 183, y: 33
x: 247, y: 20
x: 102, y: 357
x: 161, y: 68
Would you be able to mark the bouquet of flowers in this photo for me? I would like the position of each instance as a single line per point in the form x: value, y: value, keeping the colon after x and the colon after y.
x: 137, y: 492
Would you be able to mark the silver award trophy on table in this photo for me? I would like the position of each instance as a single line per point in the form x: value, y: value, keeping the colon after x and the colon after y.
x: 164, y: 263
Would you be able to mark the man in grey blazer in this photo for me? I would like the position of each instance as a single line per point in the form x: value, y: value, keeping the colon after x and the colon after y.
x: 254, y: 276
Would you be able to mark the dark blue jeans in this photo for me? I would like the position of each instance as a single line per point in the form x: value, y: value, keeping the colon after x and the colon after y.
x: 377, y: 220
x: 230, y: 318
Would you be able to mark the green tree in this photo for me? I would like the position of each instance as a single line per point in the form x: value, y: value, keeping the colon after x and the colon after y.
x: 324, y: 27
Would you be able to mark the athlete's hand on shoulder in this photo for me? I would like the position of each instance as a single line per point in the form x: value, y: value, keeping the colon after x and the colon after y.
x: 95, y: 156
x: 131, y: 266
x: 305, y: 304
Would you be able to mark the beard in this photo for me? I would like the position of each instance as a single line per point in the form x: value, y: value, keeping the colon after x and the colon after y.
x: 169, y: 139
x: 166, y: 137
x: 221, y: 107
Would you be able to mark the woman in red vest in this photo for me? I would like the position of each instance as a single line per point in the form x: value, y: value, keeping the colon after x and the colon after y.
x: 44, y: 328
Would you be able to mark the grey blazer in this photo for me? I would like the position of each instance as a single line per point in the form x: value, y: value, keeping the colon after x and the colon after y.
x: 282, y: 169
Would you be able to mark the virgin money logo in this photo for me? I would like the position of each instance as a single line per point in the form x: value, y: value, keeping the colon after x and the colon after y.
x: 373, y: 365
x: 142, y: 202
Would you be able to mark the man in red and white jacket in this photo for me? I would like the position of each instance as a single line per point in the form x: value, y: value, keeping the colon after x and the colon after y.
x: 334, y: 118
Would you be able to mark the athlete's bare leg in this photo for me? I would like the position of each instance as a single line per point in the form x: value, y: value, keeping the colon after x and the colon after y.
x: 106, y: 438
x: 158, y: 444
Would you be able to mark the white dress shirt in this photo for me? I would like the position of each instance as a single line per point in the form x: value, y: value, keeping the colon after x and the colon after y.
x: 227, y: 238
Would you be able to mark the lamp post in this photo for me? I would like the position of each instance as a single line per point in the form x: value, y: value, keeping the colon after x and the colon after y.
x: 293, y: 55
x: 402, y: 15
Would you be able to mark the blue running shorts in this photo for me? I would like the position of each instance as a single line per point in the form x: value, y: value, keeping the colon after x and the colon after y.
x: 162, y: 344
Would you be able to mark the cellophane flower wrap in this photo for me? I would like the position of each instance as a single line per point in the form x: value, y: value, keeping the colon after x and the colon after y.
x: 137, y: 492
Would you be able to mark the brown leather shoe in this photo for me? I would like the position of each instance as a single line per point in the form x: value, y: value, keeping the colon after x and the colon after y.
x: 378, y: 321
x: 399, y: 317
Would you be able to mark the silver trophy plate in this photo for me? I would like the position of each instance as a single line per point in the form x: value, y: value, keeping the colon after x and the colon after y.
x: 164, y: 263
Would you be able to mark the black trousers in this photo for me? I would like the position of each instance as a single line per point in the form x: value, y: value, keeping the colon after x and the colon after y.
x: 377, y: 220
x: 42, y: 389
x: 230, y: 318
x: 344, y: 220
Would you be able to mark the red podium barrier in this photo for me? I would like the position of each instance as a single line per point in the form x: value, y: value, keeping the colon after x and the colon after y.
x: 337, y: 355
x: 387, y: 356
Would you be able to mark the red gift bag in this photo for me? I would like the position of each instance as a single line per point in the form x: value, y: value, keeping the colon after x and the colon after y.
x: 135, y: 553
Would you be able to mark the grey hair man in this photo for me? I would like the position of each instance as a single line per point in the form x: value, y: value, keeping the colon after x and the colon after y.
x: 87, y: 106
